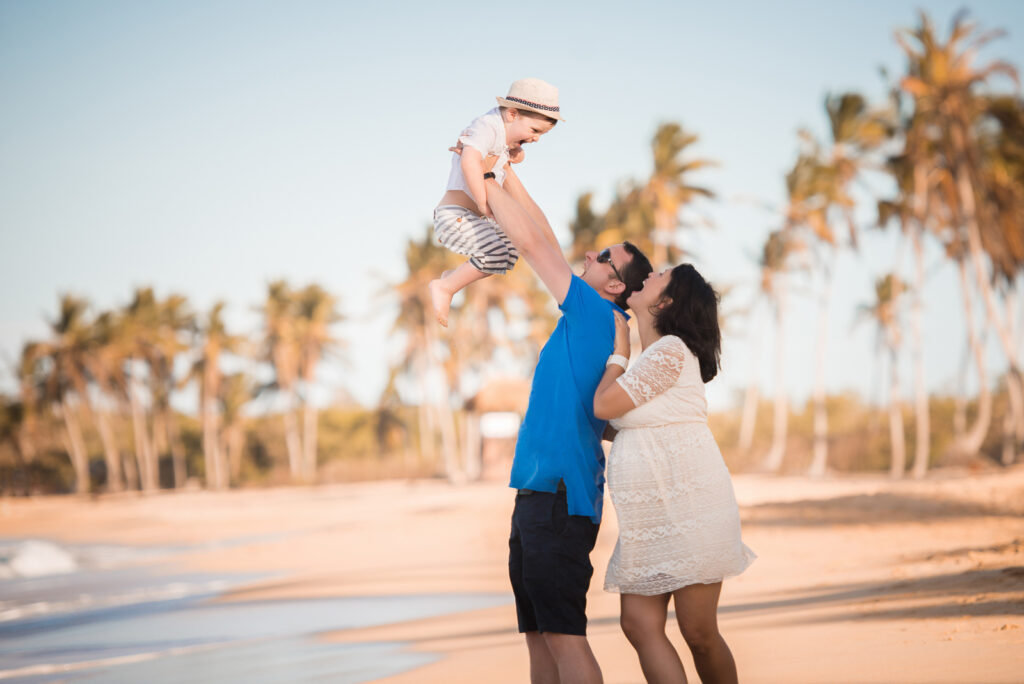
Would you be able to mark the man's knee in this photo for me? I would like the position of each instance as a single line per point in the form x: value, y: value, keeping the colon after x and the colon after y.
x: 562, y: 645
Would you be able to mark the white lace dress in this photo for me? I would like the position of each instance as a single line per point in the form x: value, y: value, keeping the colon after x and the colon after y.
x: 678, y: 519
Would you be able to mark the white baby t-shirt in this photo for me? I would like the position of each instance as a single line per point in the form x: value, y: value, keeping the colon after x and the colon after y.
x: 486, y: 134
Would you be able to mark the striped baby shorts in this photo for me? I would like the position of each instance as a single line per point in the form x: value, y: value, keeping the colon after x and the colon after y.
x: 482, y: 240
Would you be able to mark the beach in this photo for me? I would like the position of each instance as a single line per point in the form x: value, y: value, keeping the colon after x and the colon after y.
x: 858, y: 579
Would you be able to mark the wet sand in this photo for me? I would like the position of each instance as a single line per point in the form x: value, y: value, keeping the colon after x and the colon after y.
x: 859, y: 579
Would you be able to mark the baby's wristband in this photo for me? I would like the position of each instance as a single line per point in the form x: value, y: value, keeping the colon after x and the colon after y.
x: 618, y: 360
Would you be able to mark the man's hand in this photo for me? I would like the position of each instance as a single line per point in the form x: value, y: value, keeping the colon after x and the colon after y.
x: 516, y: 155
x: 621, y: 335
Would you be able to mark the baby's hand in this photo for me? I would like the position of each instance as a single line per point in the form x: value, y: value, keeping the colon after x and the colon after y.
x: 621, y: 335
x: 516, y: 154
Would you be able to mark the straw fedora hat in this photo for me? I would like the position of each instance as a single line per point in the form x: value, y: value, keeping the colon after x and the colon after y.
x: 532, y: 94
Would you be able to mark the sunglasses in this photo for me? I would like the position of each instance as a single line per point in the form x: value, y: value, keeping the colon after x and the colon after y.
x: 605, y: 257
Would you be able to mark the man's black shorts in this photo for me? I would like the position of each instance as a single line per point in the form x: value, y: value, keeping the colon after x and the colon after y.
x: 549, y: 564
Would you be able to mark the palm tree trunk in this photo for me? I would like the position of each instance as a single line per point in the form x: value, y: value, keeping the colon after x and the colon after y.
x: 751, y: 398
x: 159, y: 439
x: 819, y: 462
x: 965, y: 193
x: 471, y: 438
x: 215, y: 475
x: 972, y: 439
x: 75, y: 445
x: 148, y: 477
x: 130, y: 461
x: 1012, y: 426
x: 309, y: 439
x: 175, y: 447
x: 1015, y: 424
x: 292, y: 441
x: 780, y: 423
x: 922, y: 419
x: 445, y: 416
x: 896, y: 433
x: 232, y: 448
x: 960, y: 400
x: 111, y: 454
x: 427, y: 450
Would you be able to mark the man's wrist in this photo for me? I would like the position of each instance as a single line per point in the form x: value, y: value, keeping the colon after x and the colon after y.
x: 489, y: 174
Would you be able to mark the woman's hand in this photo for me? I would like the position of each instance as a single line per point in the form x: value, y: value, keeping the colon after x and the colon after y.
x: 621, y: 335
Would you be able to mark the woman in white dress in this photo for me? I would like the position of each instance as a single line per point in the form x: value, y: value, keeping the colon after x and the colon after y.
x: 679, y: 525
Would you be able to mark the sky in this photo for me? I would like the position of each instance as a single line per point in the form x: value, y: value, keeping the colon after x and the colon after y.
x: 207, y: 148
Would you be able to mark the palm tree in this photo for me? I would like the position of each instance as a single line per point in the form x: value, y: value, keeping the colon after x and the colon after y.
x: 776, y: 253
x: 1001, y: 174
x: 819, y: 189
x: 174, y: 322
x: 140, y: 321
x: 13, y: 416
x: 945, y: 85
x: 48, y: 365
x: 282, y: 351
x: 647, y: 213
x: 59, y: 371
x: 420, y: 359
x: 915, y: 193
x: 585, y: 228
x: 73, y: 350
x: 884, y: 312
x: 213, y: 340
x: 236, y: 390
x: 668, y: 189
x: 316, y: 311
x: 630, y: 216
x: 108, y: 365
x: 969, y: 442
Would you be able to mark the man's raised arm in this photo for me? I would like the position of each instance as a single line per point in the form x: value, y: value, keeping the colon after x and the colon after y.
x: 545, y: 258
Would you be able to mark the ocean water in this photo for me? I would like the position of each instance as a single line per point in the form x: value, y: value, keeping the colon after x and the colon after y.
x: 122, y: 614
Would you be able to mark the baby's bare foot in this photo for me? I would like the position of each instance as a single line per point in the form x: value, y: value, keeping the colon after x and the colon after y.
x: 441, y: 301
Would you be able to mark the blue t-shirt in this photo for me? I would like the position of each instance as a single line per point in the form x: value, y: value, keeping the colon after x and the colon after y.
x: 560, y: 439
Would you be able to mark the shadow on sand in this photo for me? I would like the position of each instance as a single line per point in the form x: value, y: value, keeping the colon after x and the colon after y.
x: 864, y: 509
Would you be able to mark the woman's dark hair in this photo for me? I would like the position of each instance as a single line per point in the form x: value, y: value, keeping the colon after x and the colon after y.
x: 634, y: 274
x: 692, y: 316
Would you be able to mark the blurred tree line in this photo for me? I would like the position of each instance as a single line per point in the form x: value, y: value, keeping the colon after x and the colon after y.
x: 94, y: 409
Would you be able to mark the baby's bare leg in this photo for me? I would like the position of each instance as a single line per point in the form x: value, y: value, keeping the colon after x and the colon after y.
x: 444, y: 288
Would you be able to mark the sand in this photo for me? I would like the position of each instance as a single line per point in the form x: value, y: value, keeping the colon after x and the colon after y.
x: 859, y: 579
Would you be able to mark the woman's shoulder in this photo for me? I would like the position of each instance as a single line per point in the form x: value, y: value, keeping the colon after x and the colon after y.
x: 671, y: 344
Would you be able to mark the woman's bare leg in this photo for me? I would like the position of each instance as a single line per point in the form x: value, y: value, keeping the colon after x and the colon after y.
x: 643, y: 622
x: 697, y: 614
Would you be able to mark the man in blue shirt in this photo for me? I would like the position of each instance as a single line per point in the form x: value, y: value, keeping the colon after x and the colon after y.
x: 558, y: 470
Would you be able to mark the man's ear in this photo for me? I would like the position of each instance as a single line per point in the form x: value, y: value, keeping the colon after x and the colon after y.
x: 615, y: 287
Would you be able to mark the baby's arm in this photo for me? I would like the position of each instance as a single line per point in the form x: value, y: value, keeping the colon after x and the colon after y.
x: 473, y: 171
x: 517, y: 190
